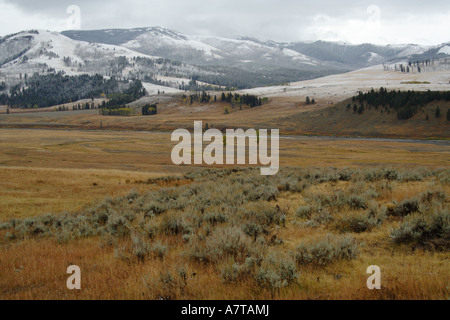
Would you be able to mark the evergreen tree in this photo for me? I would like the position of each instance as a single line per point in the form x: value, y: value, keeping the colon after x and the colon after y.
x: 361, y: 109
x: 438, y: 112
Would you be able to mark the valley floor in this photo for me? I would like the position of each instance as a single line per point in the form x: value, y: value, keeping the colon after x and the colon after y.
x: 80, y: 172
x: 288, y: 114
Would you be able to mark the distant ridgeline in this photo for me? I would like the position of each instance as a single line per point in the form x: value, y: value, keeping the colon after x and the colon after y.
x: 405, y: 103
x: 41, y: 91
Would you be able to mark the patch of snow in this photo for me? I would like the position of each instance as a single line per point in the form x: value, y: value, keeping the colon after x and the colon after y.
x: 373, y: 56
x: 157, y: 39
x: 413, y: 49
x: 445, y: 50
x: 295, y: 54
x: 338, y: 87
x: 153, y: 89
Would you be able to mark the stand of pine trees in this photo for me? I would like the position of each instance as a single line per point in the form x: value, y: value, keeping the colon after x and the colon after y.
x: 246, y: 99
x: 233, y: 99
x: 405, y: 103
x: 41, y: 91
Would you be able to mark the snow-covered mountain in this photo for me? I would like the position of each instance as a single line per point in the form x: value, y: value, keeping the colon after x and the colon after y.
x: 54, y: 50
x: 157, y: 54
x: 154, y: 55
x: 42, y: 51
x: 246, y: 52
x: 207, y: 50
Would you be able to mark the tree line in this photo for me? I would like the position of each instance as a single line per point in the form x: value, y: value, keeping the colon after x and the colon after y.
x: 203, y: 97
x: 405, y: 103
x: 42, y: 91
x: 233, y: 99
x: 236, y: 99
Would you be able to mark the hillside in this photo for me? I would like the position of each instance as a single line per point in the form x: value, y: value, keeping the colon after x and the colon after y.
x: 162, y: 57
x: 257, y: 62
x: 43, y: 52
x: 335, y: 88
x: 248, y: 53
x: 287, y: 114
x: 28, y: 52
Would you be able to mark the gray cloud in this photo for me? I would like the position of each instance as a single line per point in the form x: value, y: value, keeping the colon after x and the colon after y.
x: 283, y: 20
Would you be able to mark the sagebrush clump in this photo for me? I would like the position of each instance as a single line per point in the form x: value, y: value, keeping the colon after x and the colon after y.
x: 326, y: 250
x: 427, y: 231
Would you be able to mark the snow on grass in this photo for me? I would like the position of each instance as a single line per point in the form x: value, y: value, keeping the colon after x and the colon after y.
x: 339, y: 87
x: 295, y: 55
x: 153, y: 89
x: 413, y: 49
x: 445, y: 50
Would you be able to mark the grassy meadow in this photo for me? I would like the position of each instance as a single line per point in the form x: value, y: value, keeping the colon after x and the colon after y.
x: 232, y: 234
x: 141, y: 228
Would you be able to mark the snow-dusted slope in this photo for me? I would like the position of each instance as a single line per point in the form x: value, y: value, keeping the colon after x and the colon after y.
x: 156, y: 39
x: 55, y: 51
x: 241, y: 63
x: 332, y: 89
x: 409, y: 50
x: 445, y: 50
x: 43, y: 51
x: 209, y: 50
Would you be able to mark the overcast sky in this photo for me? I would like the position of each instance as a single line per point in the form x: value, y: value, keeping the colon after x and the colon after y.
x: 381, y: 22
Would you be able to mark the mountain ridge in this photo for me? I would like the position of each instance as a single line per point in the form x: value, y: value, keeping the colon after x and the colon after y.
x: 155, y: 54
x: 122, y: 36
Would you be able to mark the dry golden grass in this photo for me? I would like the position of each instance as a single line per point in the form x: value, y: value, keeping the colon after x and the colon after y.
x: 43, y: 171
x: 37, y: 270
x: 35, y: 191
x: 150, y: 152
